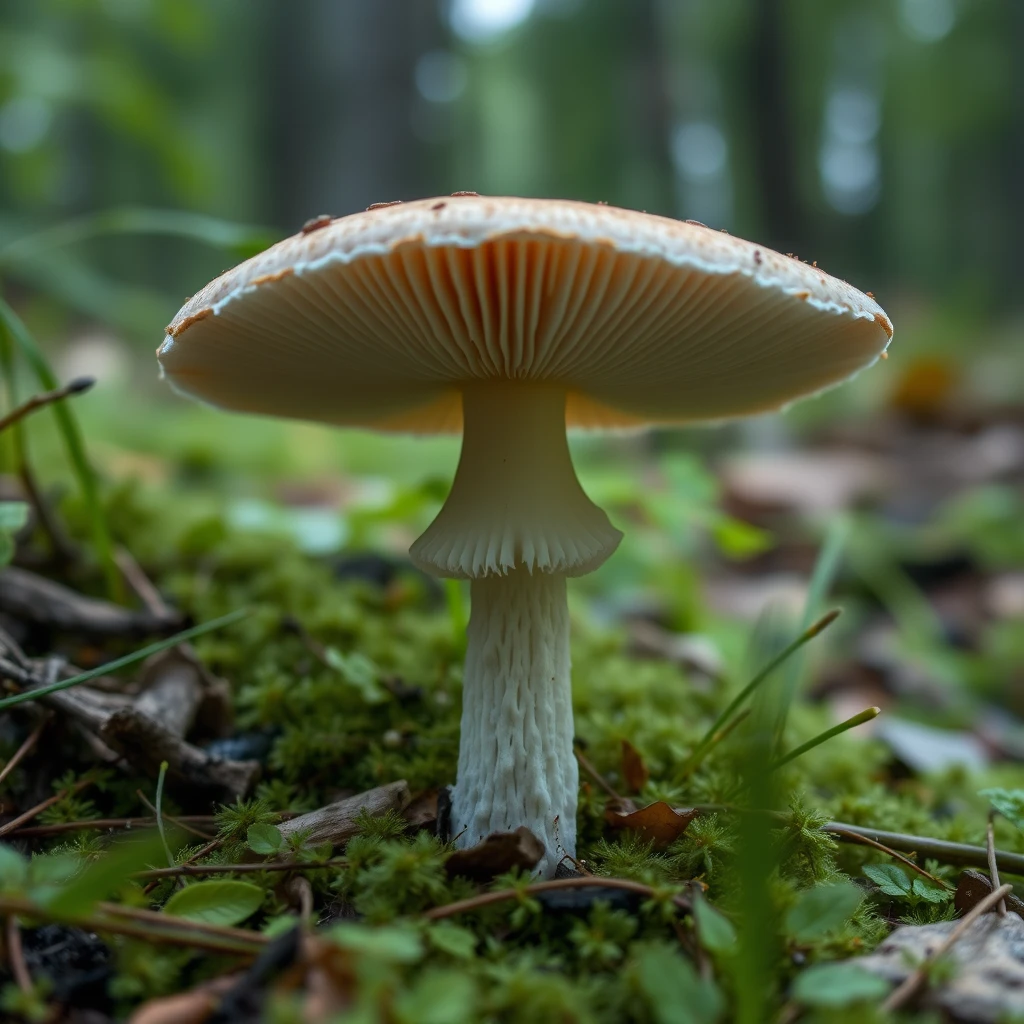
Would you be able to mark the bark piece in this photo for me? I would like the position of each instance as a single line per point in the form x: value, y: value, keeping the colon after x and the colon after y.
x: 336, y: 823
x: 987, y: 981
x: 146, y: 743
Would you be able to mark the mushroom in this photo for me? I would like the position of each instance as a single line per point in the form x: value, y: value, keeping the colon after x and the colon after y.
x: 511, y: 319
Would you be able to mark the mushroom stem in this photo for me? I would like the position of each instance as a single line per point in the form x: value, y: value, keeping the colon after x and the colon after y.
x: 515, y: 501
x: 516, y: 763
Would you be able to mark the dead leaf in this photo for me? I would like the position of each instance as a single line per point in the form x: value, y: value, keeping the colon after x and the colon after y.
x: 422, y: 810
x: 657, y: 822
x: 634, y: 771
x: 973, y: 886
x: 499, y: 852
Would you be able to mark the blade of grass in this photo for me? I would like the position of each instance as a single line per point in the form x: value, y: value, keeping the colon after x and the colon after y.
x: 851, y: 723
x: 734, y: 705
x: 72, y: 437
x: 128, y: 659
x: 242, y: 239
x: 160, y: 812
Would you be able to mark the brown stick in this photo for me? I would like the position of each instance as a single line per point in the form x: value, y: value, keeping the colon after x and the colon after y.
x: 76, y: 387
x: 12, y: 825
x: 16, y: 955
x: 180, y: 822
x: 25, y: 749
x: 102, y: 824
x: 589, y: 768
x: 487, y: 898
x: 993, y: 867
x: 856, y: 837
x: 905, y: 992
x: 224, y: 869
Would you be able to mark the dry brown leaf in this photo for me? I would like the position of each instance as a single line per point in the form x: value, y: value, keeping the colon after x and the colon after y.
x: 657, y: 822
x: 192, y: 1007
x: 634, y: 771
x: 498, y: 853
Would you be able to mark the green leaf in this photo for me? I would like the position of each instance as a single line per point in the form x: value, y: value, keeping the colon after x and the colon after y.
x: 100, y: 878
x: 452, y: 939
x: 264, y: 839
x: 836, y: 985
x: 396, y: 944
x: 717, y: 934
x: 439, y: 997
x: 674, y: 991
x: 13, y: 869
x: 929, y: 891
x: 358, y: 671
x: 822, y: 909
x: 890, y: 878
x: 1008, y: 802
x: 220, y: 903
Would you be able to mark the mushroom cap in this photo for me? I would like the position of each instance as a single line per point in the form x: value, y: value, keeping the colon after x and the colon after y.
x: 379, y: 318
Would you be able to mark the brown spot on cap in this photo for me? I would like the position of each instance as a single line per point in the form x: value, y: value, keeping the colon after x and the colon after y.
x: 884, y: 354
x: 439, y: 206
x: 883, y: 321
x: 175, y: 329
x: 697, y: 223
x: 276, y: 276
x: 870, y: 295
x: 465, y: 193
x: 802, y: 296
x: 758, y: 259
x: 379, y: 206
x: 316, y: 223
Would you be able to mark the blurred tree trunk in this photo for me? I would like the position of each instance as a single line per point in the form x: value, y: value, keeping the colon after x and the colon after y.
x: 773, y: 139
x: 1015, y: 187
x: 345, y: 102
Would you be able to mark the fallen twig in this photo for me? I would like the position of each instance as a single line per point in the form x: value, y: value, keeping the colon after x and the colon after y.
x: 12, y: 826
x: 856, y: 837
x: 25, y: 749
x: 31, y: 598
x: 16, y: 955
x: 242, y: 869
x: 485, y: 899
x: 589, y: 768
x: 149, y: 925
x: 906, y: 991
x: 993, y: 866
x: 77, y: 387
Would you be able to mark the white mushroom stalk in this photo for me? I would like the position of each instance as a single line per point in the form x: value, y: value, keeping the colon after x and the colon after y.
x: 516, y: 523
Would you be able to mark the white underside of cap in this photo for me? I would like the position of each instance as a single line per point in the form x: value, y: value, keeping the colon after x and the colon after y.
x: 381, y: 318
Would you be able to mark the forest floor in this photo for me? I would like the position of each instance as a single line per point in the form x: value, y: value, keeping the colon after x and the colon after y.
x: 243, y: 825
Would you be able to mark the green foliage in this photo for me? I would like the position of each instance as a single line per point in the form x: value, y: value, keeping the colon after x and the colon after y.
x: 838, y: 985
x: 264, y: 838
x: 13, y: 516
x: 216, y: 902
x: 672, y: 989
x: 822, y: 909
x: 893, y: 880
x: 717, y: 934
x: 1008, y: 802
